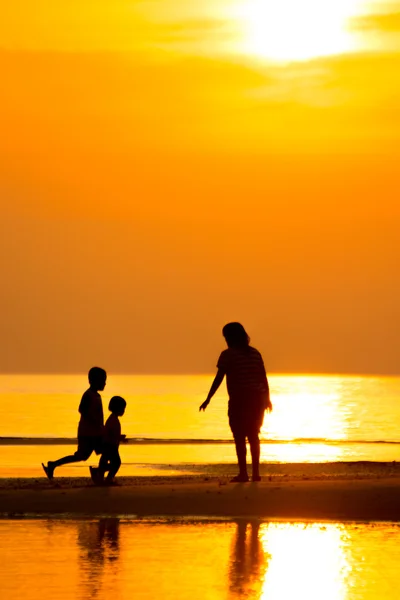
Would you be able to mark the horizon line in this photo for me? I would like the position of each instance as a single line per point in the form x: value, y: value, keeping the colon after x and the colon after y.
x: 203, y: 374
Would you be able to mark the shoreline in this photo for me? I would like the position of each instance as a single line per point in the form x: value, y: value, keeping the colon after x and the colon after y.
x: 156, y: 471
x: 138, y: 441
x: 331, y: 498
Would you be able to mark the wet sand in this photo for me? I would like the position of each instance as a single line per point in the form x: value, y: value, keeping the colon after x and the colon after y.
x: 347, y: 491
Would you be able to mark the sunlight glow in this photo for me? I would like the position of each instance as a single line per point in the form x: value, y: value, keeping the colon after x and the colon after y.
x: 301, y: 453
x: 309, y: 408
x: 297, y: 30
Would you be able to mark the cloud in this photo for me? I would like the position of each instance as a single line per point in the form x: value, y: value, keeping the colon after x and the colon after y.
x: 382, y: 23
x: 199, y: 31
x: 113, y: 25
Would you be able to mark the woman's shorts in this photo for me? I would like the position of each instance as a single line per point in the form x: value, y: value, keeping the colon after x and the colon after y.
x: 246, y: 417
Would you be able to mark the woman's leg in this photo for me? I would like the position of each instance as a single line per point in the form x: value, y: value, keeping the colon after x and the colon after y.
x: 238, y: 428
x: 254, y: 442
x: 241, y: 451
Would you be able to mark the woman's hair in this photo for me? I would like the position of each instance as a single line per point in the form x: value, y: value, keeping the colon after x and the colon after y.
x: 116, y: 404
x: 235, y: 335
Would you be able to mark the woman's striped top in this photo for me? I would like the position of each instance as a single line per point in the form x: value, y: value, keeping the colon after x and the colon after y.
x: 244, y: 370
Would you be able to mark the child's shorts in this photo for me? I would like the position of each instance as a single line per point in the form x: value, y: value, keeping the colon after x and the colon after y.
x: 88, y: 444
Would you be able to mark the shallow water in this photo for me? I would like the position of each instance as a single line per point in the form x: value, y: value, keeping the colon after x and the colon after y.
x: 178, y: 459
x: 122, y: 559
x: 315, y: 419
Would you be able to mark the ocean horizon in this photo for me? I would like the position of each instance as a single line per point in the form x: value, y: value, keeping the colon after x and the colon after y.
x: 316, y: 418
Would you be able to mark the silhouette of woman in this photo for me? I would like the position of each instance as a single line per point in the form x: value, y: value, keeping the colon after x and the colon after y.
x: 248, y: 392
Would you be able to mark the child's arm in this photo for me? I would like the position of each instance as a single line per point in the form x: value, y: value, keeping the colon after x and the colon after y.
x: 215, y: 385
x: 112, y: 432
x: 84, y: 405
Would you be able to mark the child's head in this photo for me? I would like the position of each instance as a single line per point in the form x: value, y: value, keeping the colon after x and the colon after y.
x: 235, y: 335
x: 117, y: 405
x: 97, y: 378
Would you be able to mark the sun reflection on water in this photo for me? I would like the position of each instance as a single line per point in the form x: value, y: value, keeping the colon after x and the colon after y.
x: 309, y: 410
x: 314, y: 554
x: 301, y: 453
x: 176, y: 560
x: 305, y: 558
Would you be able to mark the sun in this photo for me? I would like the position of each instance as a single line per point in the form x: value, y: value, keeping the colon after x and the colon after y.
x: 296, y: 30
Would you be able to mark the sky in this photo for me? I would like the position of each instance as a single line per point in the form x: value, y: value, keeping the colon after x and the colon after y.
x: 168, y: 166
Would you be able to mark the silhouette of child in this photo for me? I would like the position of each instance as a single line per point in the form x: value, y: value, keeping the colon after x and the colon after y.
x: 110, y: 459
x: 248, y: 392
x: 91, y: 424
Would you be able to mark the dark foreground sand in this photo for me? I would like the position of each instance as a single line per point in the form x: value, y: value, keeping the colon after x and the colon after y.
x: 355, y: 491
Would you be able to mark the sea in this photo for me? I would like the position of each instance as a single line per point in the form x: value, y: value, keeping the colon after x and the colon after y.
x: 315, y: 419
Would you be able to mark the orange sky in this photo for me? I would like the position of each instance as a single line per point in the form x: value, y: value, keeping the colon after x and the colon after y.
x: 161, y: 173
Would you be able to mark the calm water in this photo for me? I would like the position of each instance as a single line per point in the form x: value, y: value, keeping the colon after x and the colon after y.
x: 315, y: 418
x: 111, y: 558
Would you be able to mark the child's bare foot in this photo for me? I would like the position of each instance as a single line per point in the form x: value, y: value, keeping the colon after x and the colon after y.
x: 110, y: 482
x: 49, y: 470
x: 93, y: 473
x: 96, y: 475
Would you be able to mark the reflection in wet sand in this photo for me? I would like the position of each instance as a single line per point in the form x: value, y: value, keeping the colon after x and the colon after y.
x: 98, y: 542
x: 248, y: 561
x: 109, y: 559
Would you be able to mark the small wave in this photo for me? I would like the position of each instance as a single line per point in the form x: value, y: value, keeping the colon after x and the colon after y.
x: 47, y: 441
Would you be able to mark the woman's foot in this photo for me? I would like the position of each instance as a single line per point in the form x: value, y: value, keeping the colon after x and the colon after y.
x: 256, y: 478
x: 49, y: 470
x: 241, y: 478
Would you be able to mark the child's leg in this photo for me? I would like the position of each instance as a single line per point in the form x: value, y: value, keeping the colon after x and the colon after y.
x: 104, y: 466
x: 115, y: 463
x: 104, y: 463
x: 85, y: 449
x: 97, y: 473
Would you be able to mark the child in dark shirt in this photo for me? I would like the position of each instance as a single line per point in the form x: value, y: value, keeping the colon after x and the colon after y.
x: 91, y: 424
x: 110, y: 460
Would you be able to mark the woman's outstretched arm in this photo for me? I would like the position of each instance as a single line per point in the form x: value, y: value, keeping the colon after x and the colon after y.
x: 268, y: 403
x: 215, y: 385
x: 267, y: 397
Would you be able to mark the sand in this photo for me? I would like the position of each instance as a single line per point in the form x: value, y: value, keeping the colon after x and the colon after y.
x: 347, y: 491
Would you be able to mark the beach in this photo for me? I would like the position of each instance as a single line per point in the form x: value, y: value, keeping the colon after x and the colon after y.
x: 341, y: 491
x: 330, y: 450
